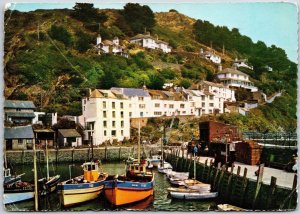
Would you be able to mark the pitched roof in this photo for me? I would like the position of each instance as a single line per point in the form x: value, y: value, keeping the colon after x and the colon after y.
x: 101, y: 93
x: 220, y: 85
x: 69, y: 133
x: 132, y: 92
x: 19, y: 104
x: 142, y: 36
x: 20, y: 114
x: 18, y: 132
x: 231, y: 71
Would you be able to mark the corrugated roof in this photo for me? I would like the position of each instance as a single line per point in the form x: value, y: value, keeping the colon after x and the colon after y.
x: 232, y: 71
x: 132, y: 92
x: 20, y: 114
x: 19, y: 104
x: 69, y: 133
x: 18, y: 132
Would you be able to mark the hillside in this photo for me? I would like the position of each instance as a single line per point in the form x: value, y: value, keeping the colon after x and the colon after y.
x: 50, y: 59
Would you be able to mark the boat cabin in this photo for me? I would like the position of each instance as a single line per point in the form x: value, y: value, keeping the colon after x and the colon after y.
x: 91, y: 171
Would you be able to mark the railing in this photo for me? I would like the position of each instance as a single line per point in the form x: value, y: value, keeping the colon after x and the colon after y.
x: 283, y: 139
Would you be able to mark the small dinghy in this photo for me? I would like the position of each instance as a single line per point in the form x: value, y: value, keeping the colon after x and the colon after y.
x: 190, y: 194
x: 164, y: 168
x: 196, y: 185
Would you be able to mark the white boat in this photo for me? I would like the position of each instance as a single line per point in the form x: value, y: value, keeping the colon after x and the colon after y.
x: 196, y: 185
x: 155, y: 160
x: 189, y: 194
x: 229, y: 207
x: 165, y: 167
x: 178, y: 175
x: 176, y: 181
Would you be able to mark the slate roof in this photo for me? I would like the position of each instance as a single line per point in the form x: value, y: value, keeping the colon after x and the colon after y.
x: 132, y: 92
x: 18, y: 132
x: 232, y: 71
x: 20, y: 114
x: 19, y: 104
x: 69, y: 133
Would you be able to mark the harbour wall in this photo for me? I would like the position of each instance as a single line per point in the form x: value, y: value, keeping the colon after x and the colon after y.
x: 237, y: 189
x: 78, y: 155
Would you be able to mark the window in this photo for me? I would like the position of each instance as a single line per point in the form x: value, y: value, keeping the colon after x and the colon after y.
x: 84, y: 102
x: 171, y: 106
x: 20, y: 141
x: 157, y: 113
x: 165, y: 105
x: 211, y: 97
x: 113, y: 105
x: 184, y: 112
x: 122, y: 114
x: 104, y: 104
x: 157, y: 105
x: 211, y: 105
x: 156, y: 97
x: 203, y: 104
x: 113, y: 124
x: 83, y: 108
x: 141, y: 114
x: 181, y: 105
x: 113, y: 114
x: 141, y: 98
x: 122, y: 133
x: 203, y: 97
x: 104, y: 132
x: 121, y: 105
x: 104, y: 114
x: 105, y: 123
x: 210, y: 111
x: 122, y: 123
x: 113, y: 133
x: 130, y: 114
x: 192, y: 104
x: 142, y: 106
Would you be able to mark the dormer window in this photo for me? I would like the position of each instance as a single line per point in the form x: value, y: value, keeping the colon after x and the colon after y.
x: 105, y: 94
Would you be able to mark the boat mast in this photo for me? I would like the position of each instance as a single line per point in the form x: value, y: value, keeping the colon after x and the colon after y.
x: 139, y: 143
x: 47, y: 160
x: 162, y: 151
x: 36, y: 203
x: 194, y: 167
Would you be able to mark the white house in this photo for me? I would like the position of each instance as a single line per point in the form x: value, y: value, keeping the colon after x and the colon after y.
x: 211, y: 56
x: 108, y: 46
x: 241, y: 63
x: 106, y: 115
x: 147, y: 41
x: 235, y: 78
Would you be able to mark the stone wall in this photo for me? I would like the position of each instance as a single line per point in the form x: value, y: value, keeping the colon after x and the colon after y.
x: 78, y: 155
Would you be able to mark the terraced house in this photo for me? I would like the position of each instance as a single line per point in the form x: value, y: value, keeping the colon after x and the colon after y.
x: 107, y: 113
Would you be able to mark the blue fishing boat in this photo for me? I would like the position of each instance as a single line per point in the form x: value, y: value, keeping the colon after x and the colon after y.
x: 136, y: 185
x: 84, y: 187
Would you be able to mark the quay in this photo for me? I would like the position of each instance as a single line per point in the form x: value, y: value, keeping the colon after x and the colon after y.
x: 272, y: 189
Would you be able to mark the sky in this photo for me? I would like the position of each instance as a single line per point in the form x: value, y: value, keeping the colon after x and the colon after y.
x: 273, y: 23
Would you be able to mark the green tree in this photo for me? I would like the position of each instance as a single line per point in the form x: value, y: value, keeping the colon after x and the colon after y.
x: 84, y: 41
x: 139, y: 17
x: 185, y: 83
x: 61, y: 34
x: 156, y: 82
x: 86, y: 12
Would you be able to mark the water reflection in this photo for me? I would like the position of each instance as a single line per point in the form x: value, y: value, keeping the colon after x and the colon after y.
x: 159, y: 202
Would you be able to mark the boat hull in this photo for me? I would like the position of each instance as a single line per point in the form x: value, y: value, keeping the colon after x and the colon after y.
x: 193, y: 195
x: 125, y: 192
x: 9, y: 198
x: 71, y: 194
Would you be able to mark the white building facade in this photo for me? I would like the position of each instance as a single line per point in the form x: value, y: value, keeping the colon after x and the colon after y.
x: 235, y: 78
x: 107, y: 113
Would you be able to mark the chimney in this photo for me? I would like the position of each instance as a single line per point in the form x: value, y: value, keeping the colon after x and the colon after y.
x: 99, y: 39
x: 201, y: 51
x: 220, y: 68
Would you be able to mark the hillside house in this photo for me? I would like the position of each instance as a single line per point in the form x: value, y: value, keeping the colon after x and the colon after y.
x: 69, y: 138
x: 211, y: 56
x: 18, y: 138
x: 19, y: 112
x: 234, y: 78
x: 241, y: 63
x: 147, y: 41
x: 108, y: 46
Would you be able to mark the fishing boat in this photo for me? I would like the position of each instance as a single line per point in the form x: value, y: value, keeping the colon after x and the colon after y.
x: 229, y: 207
x: 10, y: 179
x: 48, y: 184
x: 135, y: 185
x: 155, y: 160
x: 84, y: 187
x: 17, y: 192
x: 190, y: 194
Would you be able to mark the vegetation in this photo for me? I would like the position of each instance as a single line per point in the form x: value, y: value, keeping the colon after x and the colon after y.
x: 55, y: 66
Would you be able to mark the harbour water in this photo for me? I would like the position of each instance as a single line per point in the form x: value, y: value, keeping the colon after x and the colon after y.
x: 160, y: 201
